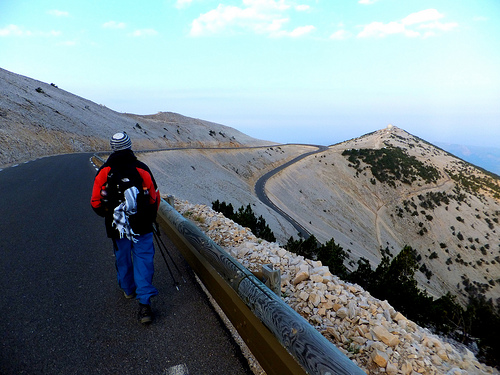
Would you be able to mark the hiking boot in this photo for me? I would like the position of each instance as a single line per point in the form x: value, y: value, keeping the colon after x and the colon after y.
x: 145, y: 314
x: 129, y: 296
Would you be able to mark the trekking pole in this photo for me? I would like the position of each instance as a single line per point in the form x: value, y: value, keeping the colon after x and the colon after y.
x: 176, y: 283
x: 158, y: 238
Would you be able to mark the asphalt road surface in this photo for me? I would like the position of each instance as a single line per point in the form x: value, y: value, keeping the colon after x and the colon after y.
x: 61, y: 311
x: 260, y: 191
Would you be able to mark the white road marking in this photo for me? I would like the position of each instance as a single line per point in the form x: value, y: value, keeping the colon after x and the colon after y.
x: 177, y: 370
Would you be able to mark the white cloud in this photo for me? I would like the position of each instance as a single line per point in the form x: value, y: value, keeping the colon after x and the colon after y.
x: 340, y: 35
x: 422, y: 16
x: 267, y: 4
x: 273, y: 28
x: 302, y: 8
x: 219, y: 19
x: 58, y: 13
x: 267, y: 17
x: 439, y: 26
x: 14, y: 30
x: 144, y: 32
x: 296, y: 33
x: 379, y: 29
x: 409, y: 26
x: 302, y: 30
x: 366, y: 2
x: 114, y: 25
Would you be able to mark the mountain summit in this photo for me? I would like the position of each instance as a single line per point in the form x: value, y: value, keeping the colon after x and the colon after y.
x: 387, y: 189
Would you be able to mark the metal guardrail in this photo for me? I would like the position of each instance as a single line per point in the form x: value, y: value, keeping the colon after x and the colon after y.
x: 276, y: 334
x: 280, y: 339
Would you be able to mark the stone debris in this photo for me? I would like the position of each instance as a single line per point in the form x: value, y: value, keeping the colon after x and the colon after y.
x: 369, y: 331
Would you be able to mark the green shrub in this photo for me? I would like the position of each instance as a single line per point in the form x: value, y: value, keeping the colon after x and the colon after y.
x: 246, y: 218
x: 392, y: 164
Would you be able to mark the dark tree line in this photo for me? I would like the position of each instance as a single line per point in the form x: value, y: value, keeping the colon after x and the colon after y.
x: 330, y: 254
x: 246, y: 218
x: 392, y: 164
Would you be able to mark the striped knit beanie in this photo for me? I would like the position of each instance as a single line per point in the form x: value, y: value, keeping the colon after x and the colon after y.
x: 120, y: 141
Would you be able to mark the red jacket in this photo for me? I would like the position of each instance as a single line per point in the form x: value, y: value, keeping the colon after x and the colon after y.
x: 142, y: 222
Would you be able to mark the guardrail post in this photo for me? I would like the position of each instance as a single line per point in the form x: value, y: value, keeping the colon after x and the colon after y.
x: 170, y: 200
x: 272, y: 278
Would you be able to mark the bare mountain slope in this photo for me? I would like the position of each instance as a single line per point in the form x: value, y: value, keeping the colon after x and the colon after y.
x: 447, y: 209
x: 203, y: 176
x: 38, y: 119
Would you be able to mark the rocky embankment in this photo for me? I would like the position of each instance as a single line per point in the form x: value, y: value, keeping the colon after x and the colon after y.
x: 369, y: 331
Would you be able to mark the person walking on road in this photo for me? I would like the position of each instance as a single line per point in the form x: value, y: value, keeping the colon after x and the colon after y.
x: 125, y: 193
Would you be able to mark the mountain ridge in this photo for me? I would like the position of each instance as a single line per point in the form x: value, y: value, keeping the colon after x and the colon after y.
x: 332, y: 196
x: 38, y: 119
x: 365, y: 216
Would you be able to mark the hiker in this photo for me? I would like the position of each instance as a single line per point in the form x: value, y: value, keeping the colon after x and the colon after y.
x: 126, y: 195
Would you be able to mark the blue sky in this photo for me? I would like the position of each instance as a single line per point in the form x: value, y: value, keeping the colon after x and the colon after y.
x: 308, y: 71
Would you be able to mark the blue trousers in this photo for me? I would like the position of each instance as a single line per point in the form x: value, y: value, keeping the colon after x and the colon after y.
x: 135, y: 266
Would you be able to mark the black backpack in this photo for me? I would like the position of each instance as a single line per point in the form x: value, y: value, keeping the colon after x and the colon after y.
x: 119, y: 180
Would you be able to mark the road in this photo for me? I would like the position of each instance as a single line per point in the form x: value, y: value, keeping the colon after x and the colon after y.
x: 260, y: 191
x: 259, y: 187
x: 61, y: 309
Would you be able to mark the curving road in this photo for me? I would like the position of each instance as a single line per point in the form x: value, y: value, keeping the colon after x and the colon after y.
x: 259, y: 187
x: 260, y: 190
x: 61, y: 309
